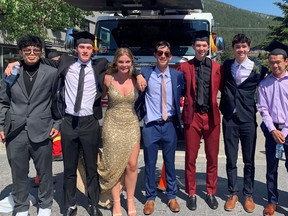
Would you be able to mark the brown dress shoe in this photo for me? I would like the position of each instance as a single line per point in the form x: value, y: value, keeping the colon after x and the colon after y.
x: 149, y: 207
x: 249, y: 204
x: 173, y: 205
x: 231, y: 202
x: 269, y: 209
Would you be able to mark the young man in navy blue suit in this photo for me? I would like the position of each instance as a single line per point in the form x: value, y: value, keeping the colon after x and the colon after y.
x: 161, y: 122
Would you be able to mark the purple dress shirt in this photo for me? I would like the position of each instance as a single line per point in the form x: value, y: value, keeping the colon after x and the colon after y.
x: 273, y: 101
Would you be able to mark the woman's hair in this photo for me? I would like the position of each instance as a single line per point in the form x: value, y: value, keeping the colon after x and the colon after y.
x: 112, y: 67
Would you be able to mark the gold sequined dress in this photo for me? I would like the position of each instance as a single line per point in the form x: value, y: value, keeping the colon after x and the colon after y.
x: 120, y: 133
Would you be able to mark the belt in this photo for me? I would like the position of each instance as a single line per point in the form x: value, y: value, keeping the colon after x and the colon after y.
x: 78, y: 117
x: 161, y: 121
x: 279, y: 126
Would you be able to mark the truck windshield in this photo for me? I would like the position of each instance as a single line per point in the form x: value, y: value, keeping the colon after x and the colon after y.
x: 141, y: 35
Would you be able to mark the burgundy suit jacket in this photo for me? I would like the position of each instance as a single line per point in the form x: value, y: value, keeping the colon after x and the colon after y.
x: 190, y: 91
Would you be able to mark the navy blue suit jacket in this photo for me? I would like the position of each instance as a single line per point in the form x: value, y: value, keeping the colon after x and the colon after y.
x: 177, y: 90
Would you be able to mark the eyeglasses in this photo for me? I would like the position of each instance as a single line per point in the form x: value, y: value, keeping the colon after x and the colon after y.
x: 29, y: 51
x: 166, y: 53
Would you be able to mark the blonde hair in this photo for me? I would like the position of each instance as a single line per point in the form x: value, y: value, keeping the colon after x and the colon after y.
x: 112, y: 67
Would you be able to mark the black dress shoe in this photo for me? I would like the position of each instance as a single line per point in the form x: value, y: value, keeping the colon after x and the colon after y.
x: 191, y: 202
x: 71, y: 212
x: 94, y: 211
x: 211, y: 201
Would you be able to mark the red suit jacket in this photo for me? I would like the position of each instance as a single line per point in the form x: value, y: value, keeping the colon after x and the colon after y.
x: 190, y: 90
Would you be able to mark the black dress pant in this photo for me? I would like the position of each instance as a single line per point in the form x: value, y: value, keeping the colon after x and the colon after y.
x: 80, y: 133
x: 272, y: 164
x: 19, y: 151
x: 233, y: 130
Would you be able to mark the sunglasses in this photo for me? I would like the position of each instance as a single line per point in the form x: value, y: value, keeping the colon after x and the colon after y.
x: 166, y: 53
x: 29, y: 51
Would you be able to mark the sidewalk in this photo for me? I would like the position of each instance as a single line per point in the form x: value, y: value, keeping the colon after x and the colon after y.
x: 161, y: 208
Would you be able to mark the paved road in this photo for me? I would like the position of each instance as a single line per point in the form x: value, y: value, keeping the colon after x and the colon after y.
x: 161, y: 208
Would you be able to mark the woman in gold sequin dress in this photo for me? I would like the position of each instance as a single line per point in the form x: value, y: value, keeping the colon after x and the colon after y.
x: 118, y: 163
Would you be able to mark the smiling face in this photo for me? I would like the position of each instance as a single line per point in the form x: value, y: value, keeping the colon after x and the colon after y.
x: 124, y: 64
x: 163, y: 56
x: 241, y: 51
x: 201, y: 48
x: 278, y: 65
x: 30, y: 54
x: 84, y: 51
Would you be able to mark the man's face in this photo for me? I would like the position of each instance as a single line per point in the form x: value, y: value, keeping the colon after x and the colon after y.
x: 241, y: 51
x: 31, y: 54
x: 201, y: 48
x: 277, y: 65
x: 84, y: 51
x: 163, y: 56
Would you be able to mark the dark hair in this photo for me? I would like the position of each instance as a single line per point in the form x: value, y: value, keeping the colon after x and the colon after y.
x: 161, y: 44
x: 29, y: 40
x: 241, y: 38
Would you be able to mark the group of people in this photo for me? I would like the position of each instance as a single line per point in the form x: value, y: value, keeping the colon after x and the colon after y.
x: 33, y: 107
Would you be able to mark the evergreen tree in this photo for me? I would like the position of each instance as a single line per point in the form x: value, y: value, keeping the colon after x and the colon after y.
x: 279, y: 30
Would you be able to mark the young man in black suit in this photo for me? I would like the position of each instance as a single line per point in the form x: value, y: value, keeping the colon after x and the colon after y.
x: 238, y: 106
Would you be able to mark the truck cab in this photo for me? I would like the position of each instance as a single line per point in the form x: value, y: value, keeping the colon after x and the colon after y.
x: 141, y: 30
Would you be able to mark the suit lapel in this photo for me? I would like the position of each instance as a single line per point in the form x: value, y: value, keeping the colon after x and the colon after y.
x: 193, y: 72
x: 20, y: 81
x: 174, y: 83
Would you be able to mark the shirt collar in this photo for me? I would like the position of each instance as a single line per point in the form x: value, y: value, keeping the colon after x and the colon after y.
x: 88, y: 64
x: 247, y: 64
x: 166, y: 72
x: 285, y: 76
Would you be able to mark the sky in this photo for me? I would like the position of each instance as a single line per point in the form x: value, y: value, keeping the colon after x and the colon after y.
x: 260, y: 6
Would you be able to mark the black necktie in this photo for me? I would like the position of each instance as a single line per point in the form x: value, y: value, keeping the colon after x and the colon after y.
x: 79, y: 96
x: 200, y: 87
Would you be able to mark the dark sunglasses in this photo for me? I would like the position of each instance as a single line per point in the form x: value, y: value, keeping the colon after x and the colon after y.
x: 29, y: 51
x: 160, y: 53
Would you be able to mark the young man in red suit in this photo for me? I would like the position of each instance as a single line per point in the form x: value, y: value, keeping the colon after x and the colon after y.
x: 201, y: 118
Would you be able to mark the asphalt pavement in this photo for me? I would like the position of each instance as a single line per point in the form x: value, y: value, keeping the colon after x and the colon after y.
x: 161, y: 208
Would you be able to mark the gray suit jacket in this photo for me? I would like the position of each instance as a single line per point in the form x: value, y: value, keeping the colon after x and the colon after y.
x: 33, y: 111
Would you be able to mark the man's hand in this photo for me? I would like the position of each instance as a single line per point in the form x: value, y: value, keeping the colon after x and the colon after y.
x: 278, y: 136
x: 141, y: 82
x: 2, y: 136
x: 9, y: 67
x: 54, y: 132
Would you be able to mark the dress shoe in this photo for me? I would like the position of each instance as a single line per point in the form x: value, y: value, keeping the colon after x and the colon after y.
x: 173, y: 205
x: 249, y: 204
x: 211, y: 201
x: 71, y: 212
x: 149, y: 207
x: 94, y: 211
x: 191, y: 202
x: 231, y: 202
x: 269, y: 209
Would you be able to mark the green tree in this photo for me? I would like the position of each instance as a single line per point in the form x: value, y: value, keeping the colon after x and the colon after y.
x: 22, y: 17
x: 279, y: 31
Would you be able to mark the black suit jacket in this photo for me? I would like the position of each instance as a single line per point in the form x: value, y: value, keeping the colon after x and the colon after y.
x: 59, y: 105
x: 243, y: 96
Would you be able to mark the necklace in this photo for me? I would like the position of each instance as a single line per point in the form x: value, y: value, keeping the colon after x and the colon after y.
x: 31, y: 77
